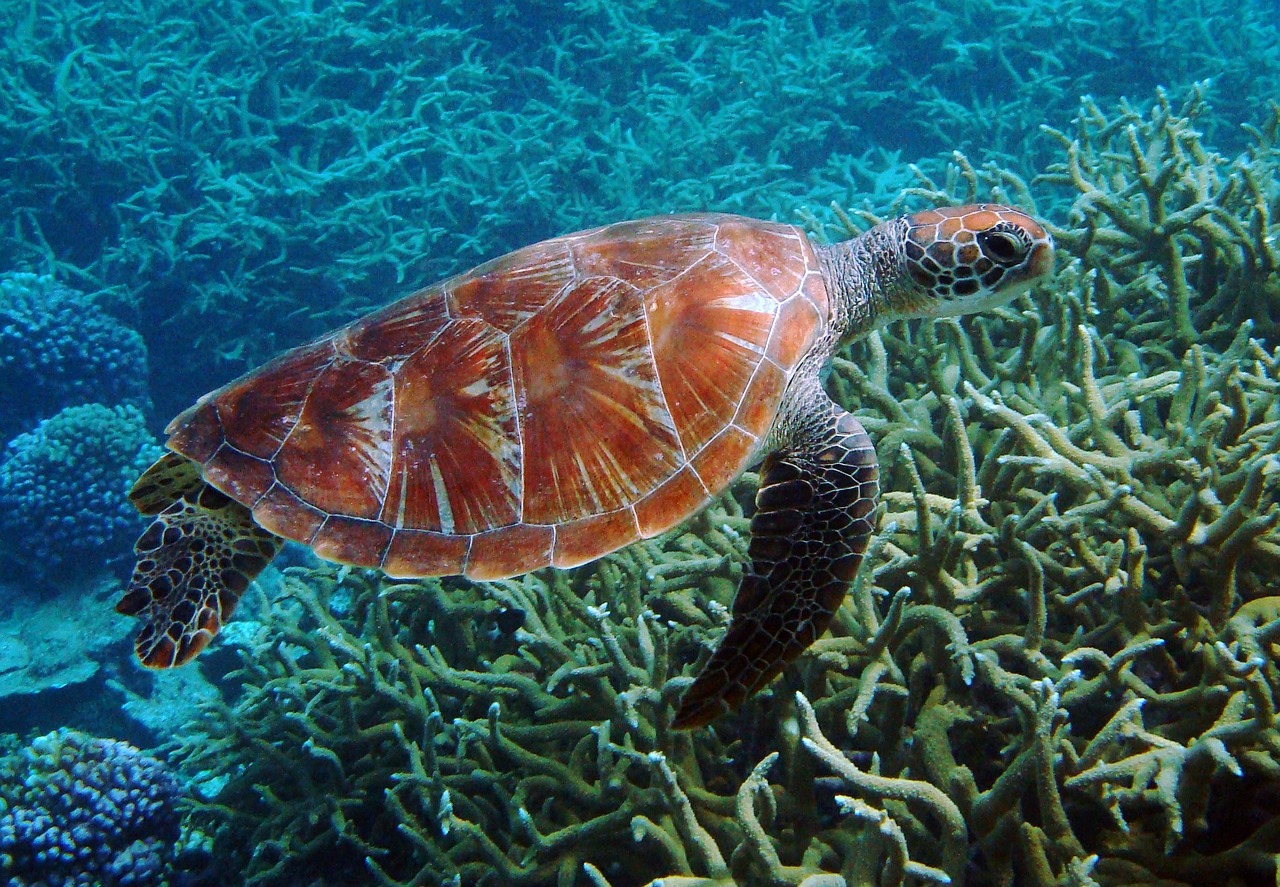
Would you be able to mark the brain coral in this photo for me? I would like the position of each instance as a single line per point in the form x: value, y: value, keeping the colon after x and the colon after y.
x: 57, y: 348
x: 63, y: 486
x: 77, y: 810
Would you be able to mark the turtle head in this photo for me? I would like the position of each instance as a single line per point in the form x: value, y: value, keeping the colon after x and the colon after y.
x: 963, y: 259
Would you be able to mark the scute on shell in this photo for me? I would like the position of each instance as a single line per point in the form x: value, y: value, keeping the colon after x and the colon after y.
x: 547, y: 407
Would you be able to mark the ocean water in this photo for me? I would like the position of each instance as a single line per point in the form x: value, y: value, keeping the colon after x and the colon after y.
x: 1057, y: 662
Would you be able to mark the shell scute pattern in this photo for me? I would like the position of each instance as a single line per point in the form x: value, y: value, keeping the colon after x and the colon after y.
x: 338, y: 450
x: 282, y: 512
x: 388, y: 336
x: 645, y: 252
x: 455, y: 418
x: 764, y: 255
x: 546, y: 408
x: 582, y: 366
x: 507, y: 291
x: 351, y: 540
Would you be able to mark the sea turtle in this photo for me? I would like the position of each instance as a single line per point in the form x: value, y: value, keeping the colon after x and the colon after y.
x: 560, y: 402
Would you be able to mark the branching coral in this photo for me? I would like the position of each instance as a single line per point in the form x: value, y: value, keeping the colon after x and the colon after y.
x: 251, y: 174
x: 445, y: 741
x: 307, y: 165
x: 1097, y: 509
x: 1176, y: 232
x: 1072, y: 681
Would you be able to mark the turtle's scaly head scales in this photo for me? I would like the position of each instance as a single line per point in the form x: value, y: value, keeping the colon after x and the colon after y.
x: 969, y: 258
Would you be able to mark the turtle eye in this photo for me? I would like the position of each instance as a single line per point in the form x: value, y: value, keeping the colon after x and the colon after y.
x: 1002, y: 247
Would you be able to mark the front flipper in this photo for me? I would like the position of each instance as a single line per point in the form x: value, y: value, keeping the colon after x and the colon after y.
x: 194, y: 562
x: 170, y: 478
x: 812, y: 524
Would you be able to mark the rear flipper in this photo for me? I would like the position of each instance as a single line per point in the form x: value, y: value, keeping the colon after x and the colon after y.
x: 812, y: 524
x: 194, y: 562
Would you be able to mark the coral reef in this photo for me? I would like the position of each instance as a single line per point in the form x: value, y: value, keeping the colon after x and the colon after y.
x: 58, y: 348
x: 252, y: 174
x: 77, y: 811
x: 1058, y: 664
x: 63, y: 486
x: 1174, y: 232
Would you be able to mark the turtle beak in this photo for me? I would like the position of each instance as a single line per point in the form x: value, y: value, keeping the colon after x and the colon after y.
x: 1040, y: 262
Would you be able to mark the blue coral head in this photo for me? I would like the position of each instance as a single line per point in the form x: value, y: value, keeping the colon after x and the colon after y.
x: 76, y: 810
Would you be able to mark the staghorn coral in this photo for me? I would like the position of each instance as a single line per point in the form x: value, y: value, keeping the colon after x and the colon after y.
x: 63, y: 485
x: 1072, y: 681
x: 1177, y: 233
x: 250, y: 174
x: 76, y: 810
x: 1005, y: 66
x: 307, y: 165
x: 445, y: 727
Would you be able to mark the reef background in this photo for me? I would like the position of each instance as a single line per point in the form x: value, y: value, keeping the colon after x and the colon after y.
x: 1058, y: 663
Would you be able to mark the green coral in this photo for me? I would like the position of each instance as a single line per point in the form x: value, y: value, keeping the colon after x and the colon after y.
x: 1059, y: 660
x: 434, y: 743
x: 1058, y: 664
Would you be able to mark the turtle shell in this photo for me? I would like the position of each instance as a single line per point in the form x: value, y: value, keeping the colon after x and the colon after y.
x: 547, y: 407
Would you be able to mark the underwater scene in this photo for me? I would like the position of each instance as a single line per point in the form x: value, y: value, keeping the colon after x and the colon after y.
x: 915, y: 523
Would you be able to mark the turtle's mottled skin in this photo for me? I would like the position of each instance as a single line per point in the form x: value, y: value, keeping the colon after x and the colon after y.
x: 561, y: 402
